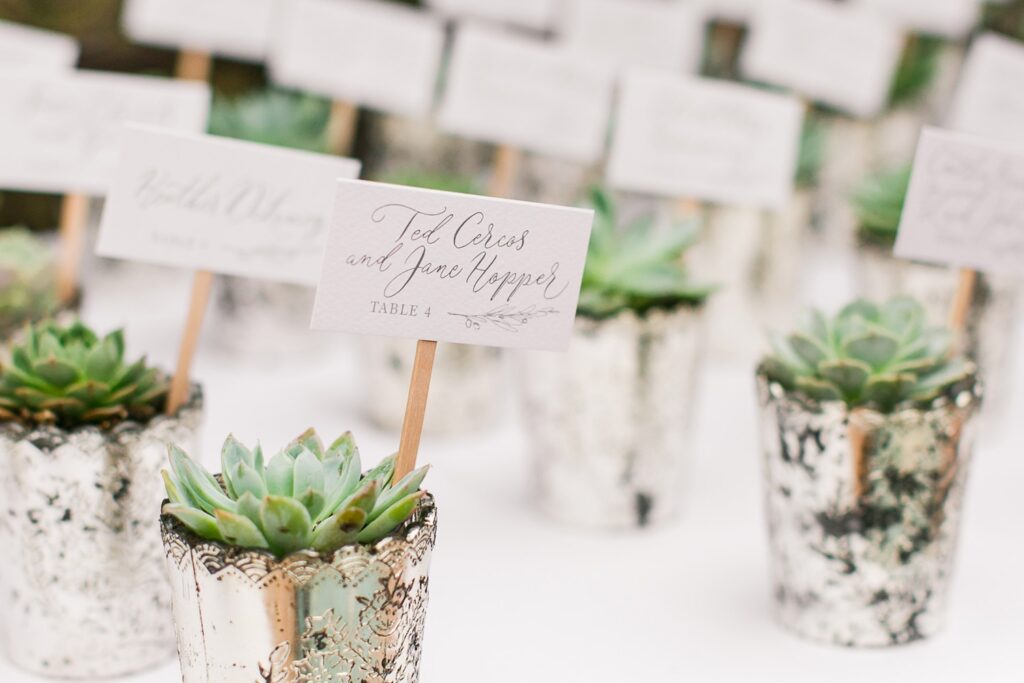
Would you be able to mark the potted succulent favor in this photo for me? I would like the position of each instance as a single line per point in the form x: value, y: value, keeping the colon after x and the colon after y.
x: 297, y: 567
x: 262, y: 316
x: 607, y: 422
x: 464, y: 377
x: 28, y: 288
x: 867, y: 424
x: 82, y: 434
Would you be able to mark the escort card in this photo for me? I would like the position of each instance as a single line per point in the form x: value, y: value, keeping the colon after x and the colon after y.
x: 653, y: 33
x: 965, y: 206
x: 372, y: 53
x: 948, y: 18
x: 61, y: 132
x: 24, y: 46
x: 515, y: 91
x: 209, y: 203
x: 686, y: 137
x: 841, y: 55
x: 989, y: 100
x: 232, y: 28
x: 534, y: 14
x: 407, y: 262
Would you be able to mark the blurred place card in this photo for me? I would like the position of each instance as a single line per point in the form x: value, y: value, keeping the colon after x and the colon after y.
x: 653, y: 33
x: 686, y: 137
x: 525, y: 93
x: 367, y: 52
x: 841, y: 55
x: 407, y: 262
x: 209, y: 203
x: 965, y: 206
x: 62, y: 132
x: 232, y: 28
x: 534, y: 14
x: 24, y: 46
x: 947, y: 18
x: 989, y: 100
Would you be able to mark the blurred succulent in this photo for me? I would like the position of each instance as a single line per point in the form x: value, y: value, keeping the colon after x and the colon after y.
x: 879, y: 356
x: 634, y: 267
x: 917, y: 69
x: 1005, y: 17
x: 27, y: 284
x: 435, y: 181
x: 812, y: 150
x: 273, y: 117
x: 878, y: 205
x: 70, y: 377
x: 306, y: 497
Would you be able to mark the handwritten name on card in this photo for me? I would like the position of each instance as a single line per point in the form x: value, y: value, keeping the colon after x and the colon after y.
x: 533, y: 14
x: 838, y: 54
x: 681, y: 136
x: 209, y: 203
x: 62, y: 132
x: 232, y: 28
x: 375, y: 54
x: 24, y: 46
x: 948, y: 18
x: 651, y: 33
x: 406, y: 262
x: 515, y: 91
x: 989, y: 99
x: 965, y: 206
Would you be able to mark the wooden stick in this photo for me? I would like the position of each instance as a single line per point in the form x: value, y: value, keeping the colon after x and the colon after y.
x: 201, y: 286
x: 688, y: 208
x: 341, y: 128
x: 193, y: 66
x: 74, y: 213
x: 858, y: 437
x: 415, y: 408
x: 506, y: 166
x: 962, y: 299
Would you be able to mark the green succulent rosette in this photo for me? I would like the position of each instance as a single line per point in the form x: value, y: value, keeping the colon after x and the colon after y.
x: 273, y: 117
x: 878, y: 205
x: 27, y: 279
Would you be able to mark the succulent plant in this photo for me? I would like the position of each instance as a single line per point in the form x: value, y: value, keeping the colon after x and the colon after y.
x: 878, y: 205
x: 916, y: 71
x: 273, y: 117
x: 1002, y: 17
x: 880, y: 356
x: 812, y: 150
x: 306, y: 497
x: 27, y: 284
x: 67, y: 375
x: 435, y: 181
x: 633, y: 266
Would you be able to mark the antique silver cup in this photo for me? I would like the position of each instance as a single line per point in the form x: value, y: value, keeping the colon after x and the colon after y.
x: 607, y: 422
x: 243, y: 616
x: 863, y: 514
x: 84, y: 589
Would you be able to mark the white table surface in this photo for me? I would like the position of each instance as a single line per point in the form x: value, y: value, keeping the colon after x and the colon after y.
x: 515, y: 598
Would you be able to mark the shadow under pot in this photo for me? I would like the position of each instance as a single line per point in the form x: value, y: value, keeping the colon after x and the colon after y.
x: 85, y: 593
x: 462, y: 392
x: 607, y: 421
x: 244, y: 616
x: 863, y: 514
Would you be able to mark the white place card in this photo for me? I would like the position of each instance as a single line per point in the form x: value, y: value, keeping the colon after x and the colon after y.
x: 533, y: 14
x: 694, y: 138
x: 232, y: 28
x: 25, y: 46
x: 989, y: 99
x: 407, y: 262
x: 965, y: 206
x: 667, y: 34
x: 209, y: 203
x: 376, y: 54
x: 61, y: 132
x: 511, y: 90
x: 948, y: 18
x: 838, y: 54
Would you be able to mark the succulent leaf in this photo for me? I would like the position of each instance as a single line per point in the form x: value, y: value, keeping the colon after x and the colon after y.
x: 237, y: 529
x: 285, y: 523
x: 381, y: 526
x: 196, y: 520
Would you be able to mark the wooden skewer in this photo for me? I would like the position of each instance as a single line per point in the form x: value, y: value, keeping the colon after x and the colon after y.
x: 74, y: 213
x: 858, y: 437
x: 506, y: 165
x: 193, y: 66
x: 201, y: 286
x: 415, y: 408
x: 962, y: 299
x: 341, y: 128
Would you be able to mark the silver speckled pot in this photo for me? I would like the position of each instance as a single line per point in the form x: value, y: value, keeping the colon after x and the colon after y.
x: 243, y: 616
x: 462, y: 397
x: 607, y: 421
x: 84, y: 589
x: 862, y: 548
